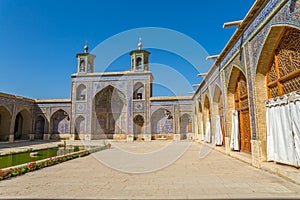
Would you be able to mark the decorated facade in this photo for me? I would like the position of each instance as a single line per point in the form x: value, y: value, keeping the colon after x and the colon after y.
x: 103, y: 105
x: 248, y: 102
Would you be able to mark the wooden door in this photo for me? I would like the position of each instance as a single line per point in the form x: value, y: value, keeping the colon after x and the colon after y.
x: 242, y: 106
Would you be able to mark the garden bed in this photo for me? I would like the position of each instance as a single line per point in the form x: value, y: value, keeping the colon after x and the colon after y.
x: 35, y: 165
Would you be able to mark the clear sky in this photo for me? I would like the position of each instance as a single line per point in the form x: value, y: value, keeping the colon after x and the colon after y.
x: 39, y: 39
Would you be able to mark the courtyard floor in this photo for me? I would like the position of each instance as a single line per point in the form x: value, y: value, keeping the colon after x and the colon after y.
x: 163, y: 170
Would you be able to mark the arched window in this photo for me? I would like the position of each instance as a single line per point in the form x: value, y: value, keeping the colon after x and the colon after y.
x: 82, y: 65
x: 138, y: 91
x: 81, y: 92
x: 284, y: 73
x: 139, y: 64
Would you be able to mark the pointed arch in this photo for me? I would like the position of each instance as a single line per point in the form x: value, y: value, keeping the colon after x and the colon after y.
x: 138, y: 91
x: 207, y: 118
x: 162, y: 122
x: 5, y: 122
x: 138, y: 125
x: 237, y: 99
x: 39, y: 128
x: 277, y: 72
x: 139, y: 64
x: 109, y: 111
x: 218, y: 110
x: 23, y: 125
x: 79, y: 126
x: 81, y: 92
x: 60, y: 123
x: 185, y: 125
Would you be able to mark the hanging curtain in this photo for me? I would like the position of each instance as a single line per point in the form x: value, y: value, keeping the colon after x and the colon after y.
x: 280, y: 136
x: 294, y: 102
x: 207, y: 131
x: 234, y: 140
x: 202, y: 132
x: 218, y: 136
x: 271, y: 123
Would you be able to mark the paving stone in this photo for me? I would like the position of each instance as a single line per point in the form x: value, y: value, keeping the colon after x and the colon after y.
x: 216, y: 176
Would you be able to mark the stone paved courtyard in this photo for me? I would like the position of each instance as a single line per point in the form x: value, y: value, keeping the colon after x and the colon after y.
x: 198, y: 173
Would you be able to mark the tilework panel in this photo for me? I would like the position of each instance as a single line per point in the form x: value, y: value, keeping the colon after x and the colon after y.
x: 120, y: 85
x: 250, y: 94
x: 80, y: 108
x: 138, y: 106
x: 89, y: 106
x: 289, y: 14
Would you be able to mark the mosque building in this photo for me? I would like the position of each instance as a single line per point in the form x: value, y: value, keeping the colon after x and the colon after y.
x: 248, y: 103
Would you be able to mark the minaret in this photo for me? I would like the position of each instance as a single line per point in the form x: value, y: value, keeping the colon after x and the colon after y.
x: 85, y: 61
x: 139, y: 58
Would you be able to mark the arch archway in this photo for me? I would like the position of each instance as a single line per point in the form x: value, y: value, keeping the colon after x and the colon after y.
x: 39, y: 127
x: 109, y: 110
x: 277, y: 73
x: 237, y: 99
x: 138, y: 125
x: 139, y: 64
x: 218, y: 108
x: 5, y: 121
x: 138, y: 91
x: 81, y: 92
x: 60, y: 123
x: 200, y: 122
x: 23, y: 125
x: 207, y: 119
x: 79, y: 126
x: 185, y: 125
x: 162, y: 122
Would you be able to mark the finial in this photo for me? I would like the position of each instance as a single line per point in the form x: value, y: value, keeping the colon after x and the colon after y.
x: 86, y: 47
x: 140, y: 44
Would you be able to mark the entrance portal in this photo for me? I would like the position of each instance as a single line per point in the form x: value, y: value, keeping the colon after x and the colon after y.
x: 241, y: 105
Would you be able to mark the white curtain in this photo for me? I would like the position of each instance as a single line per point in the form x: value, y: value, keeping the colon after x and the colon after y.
x: 207, y: 131
x: 283, y: 120
x: 295, y: 115
x: 202, y: 132
x: 218, y: 136
x: 234, y: 140
x: 271, y: 123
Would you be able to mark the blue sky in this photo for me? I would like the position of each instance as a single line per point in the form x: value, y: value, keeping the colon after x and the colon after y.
x: 39, y: 39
